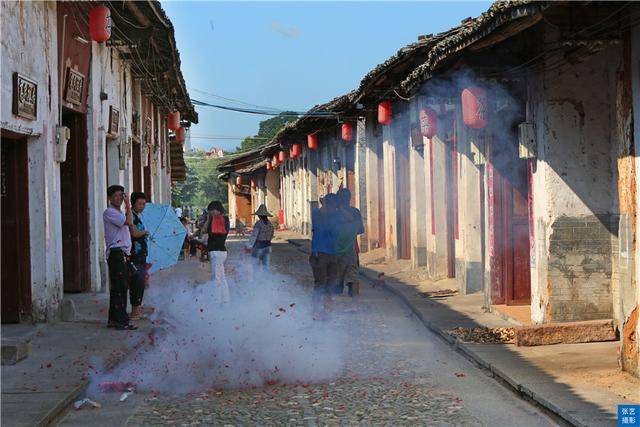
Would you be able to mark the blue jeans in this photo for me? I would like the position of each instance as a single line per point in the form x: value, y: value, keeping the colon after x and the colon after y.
x: 262, y: 256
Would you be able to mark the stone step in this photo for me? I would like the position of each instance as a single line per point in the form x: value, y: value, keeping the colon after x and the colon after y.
x: 566, y: 333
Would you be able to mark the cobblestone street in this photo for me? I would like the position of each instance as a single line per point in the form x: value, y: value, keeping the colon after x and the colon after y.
x: 395, y: 372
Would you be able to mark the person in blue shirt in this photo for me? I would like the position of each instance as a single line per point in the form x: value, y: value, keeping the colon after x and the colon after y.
x: 323, y: 254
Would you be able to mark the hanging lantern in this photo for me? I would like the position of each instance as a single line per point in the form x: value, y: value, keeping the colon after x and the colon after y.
x: 428, y: 122
x: 253, y: 183
x: 100, y: 23
x: 295, y: 150
x: 180, y: 134
x: 238, y: 180
x: 347, y: 132
x: 384, y: 113
x: 474, y: 107
x: 282, y: 156
x: 312, y: 141
x: 173, y: 120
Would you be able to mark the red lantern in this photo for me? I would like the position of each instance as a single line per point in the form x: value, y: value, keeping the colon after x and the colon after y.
x: 274, y: 162
x: 282, y: 156
x: 180, y: 135
x: 295, y: 150
x: 474, y: 107
x: 312, y: 141
x: 347, y: 132
x: 384, y: 113
x: 238, y: 180
x: 173, y: 120
x: 253, y: 183
x: 100, y: 23
x: 428, y: 122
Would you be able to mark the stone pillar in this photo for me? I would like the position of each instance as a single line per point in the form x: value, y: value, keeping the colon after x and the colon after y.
x: 418, y: 191
x: 361, y: 180
x: 391, y: 219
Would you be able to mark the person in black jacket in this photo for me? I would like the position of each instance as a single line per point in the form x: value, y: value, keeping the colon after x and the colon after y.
x: 217, y: 227
x: 139, y: 235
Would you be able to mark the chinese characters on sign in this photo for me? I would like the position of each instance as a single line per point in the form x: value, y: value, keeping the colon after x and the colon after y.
x: 629, y: 415
x: 25, y: 97
x: 74, y: 87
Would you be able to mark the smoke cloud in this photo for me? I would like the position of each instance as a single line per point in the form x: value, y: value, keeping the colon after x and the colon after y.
x: 265, y: 335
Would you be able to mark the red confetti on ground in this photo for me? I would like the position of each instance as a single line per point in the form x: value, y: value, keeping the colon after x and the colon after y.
x: 202, y: 310
x: 459, y: 374
x: 282, y: 310
x: 293, y: 304
x: 49, y: 365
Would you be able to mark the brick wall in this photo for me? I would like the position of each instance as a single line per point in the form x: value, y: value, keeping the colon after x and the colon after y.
x: 580, y: 267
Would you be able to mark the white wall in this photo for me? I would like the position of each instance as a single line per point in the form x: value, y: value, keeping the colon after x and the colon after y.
x: 29, y: 46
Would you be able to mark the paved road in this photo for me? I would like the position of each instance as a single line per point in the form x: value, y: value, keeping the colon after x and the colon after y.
x: 390, y: 370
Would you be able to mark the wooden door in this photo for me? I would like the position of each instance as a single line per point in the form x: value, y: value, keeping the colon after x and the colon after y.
x: 16, y: 264
x: 137, y: 167
x: 147, y: 182
x: 449, y: 199
x: 403, y: 199
x: 381, y: 197
x: 74, y: 206
x: 243, y: 209
x: 511, y: 278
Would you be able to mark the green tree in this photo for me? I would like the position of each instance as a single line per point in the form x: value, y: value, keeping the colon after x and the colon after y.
x: 267, y: 130
x: 202, y: 184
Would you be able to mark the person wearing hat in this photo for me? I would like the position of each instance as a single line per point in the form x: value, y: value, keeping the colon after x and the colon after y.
x: 217, y: 228
x: 259, y: 243
x: 118, y: 246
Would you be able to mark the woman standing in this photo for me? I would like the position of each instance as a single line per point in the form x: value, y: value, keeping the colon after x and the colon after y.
x: 217, y: 227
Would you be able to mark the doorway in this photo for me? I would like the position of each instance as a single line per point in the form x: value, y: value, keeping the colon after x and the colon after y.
x: 511, y: 273
x: 450, y: 193
x: 137, y: 167
x: 16, y: 257
x: 75, y: 205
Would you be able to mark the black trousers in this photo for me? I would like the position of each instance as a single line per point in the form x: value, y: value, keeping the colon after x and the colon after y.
x: 118, y: 278
x: 136, y: 286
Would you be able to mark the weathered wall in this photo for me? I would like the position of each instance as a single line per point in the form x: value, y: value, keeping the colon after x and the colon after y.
x: 112, y: 76
x: 391, y: 212
x: 273, y: 191
x: 29, y: 46
x: 576, y: 219
x: 372, y: 160
x: 469, y: 269
x: 629, y: 183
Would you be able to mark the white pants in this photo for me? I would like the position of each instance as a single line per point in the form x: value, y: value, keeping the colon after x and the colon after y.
x: 220, y: 286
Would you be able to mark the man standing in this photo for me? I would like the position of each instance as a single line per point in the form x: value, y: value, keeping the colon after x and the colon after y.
x: 349, y: 226
x: 139, y: 236
x: 118, y: 243
x: 323, y: 254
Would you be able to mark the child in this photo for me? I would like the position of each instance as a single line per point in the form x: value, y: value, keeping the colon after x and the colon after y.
x: 260, y: 241
x: 217, y: 228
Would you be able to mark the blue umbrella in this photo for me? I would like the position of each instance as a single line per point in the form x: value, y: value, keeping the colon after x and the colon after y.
x: 166, y: 235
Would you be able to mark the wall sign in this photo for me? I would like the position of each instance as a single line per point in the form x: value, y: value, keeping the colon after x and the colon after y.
x: 25, y: 97
x: 114, y: 121
x: 74, y: 87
